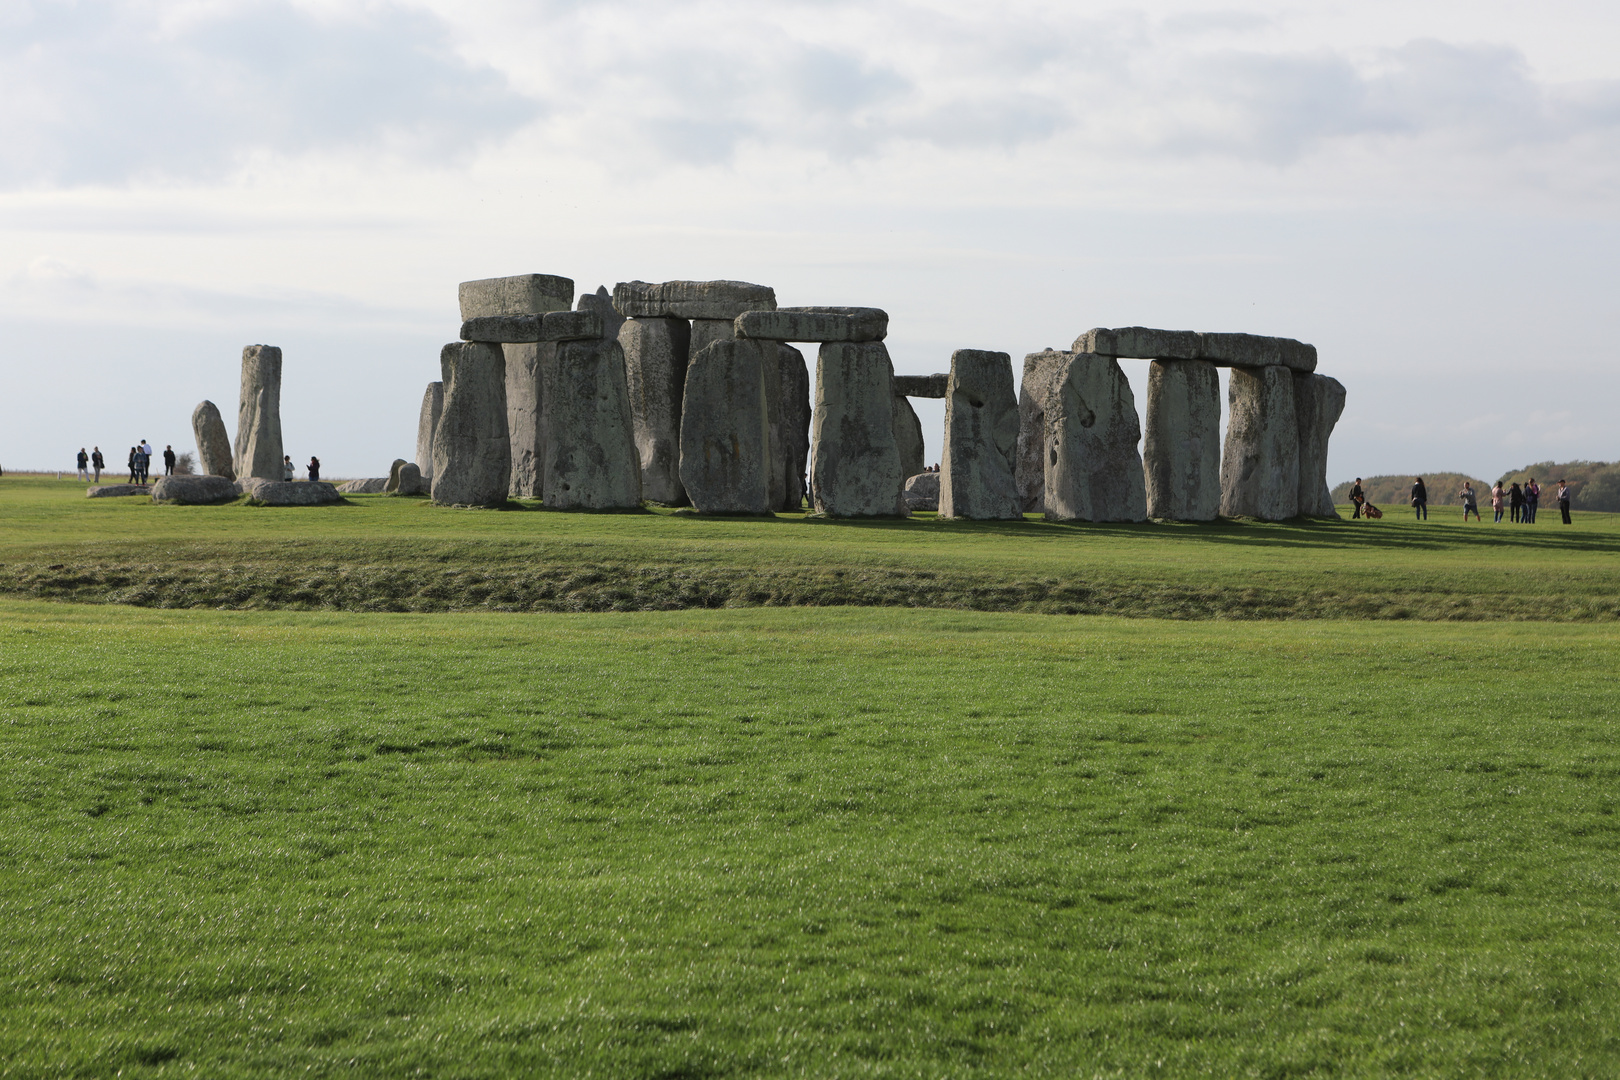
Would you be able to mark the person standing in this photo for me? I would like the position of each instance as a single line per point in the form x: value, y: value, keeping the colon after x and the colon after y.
x: 1515, y: 504
x: 1563, y: 500
x: 288, y: 473
x: 1358, y: 498
x: 1497, y: 496
x: 134, y: 463
x: 314, y: 467
x: 1532, y: 500
x: 84, y: 462
x: 146, y: 460
x: 98, y: 463
x: 1469, y: 503
x: 168, y: 460
x: 1420, y: 499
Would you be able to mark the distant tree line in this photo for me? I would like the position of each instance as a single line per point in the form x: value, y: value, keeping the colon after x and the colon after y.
x: 1594, y: 485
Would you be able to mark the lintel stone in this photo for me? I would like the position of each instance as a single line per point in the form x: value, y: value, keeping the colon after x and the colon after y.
x: 520, y: 294
x: 692, y: 299
x: 926, y: 386
x: 814, y: 324
x: 528, y: 329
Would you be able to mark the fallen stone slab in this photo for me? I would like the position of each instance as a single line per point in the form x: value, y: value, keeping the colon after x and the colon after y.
x: 1181, y: 451
x: 1260, y: 461
x: 981, y: 439
x: 258, y: 417
x: 426, y: 421
x: 213, y: 441
x: 411, y: 481
x: 656, y: 351
x: 922, y: 491
x: 114, y: 491
x: 1093, y: 469
x: 1252, y: 350
x: 374, y: 485
x: 1318, y: 404
x: 1140, y: 343
x: 692, y: 299
x: 725, y: 429
x: 814, y: 324
x: 591, y: 461
x: 855, y: 462
x: 924, y: 386
x: 520, y: 294
x: 289, y: 492
x: 527, y: 329
x: 794, y: 375
x: 194, y: 490
x: 472, y: 453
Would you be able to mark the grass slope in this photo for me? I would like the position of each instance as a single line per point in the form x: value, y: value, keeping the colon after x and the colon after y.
x: 385, y: 554
x: 851, y: 842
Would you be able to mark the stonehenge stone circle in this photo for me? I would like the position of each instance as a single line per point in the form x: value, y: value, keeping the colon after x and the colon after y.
x: 393, y: 475
x: 794, y: 375
x: 1223, y: 350
x: 472, y: 453
x: 817, y: 324
x: 526, y: 363
x: 1252, y: 350
x: 1140, y: 342
x: 692, y: 299
x: 908, y: 436
x: 258, y: 417
x: 289, y: 492
x: 924, y: 386
x: 1260, y: 462
x: 213, y: 441
x: 601, y: 302
x: 1318, y: 404
x: 854, y: 461
x: 521, y: 294
x: 204, y: 490
x: 426, y: 421
x: 725, y: 430
x: 590, y: 455
x: 981, y: 439
x: 1093, y: 470
x: 1181, y: 452
x: 655, y: 357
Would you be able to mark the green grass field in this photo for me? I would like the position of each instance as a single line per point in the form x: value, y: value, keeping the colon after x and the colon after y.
x: 812, y: 840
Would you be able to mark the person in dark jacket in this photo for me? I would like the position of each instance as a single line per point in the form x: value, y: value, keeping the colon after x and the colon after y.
x: 168, y: 461
x: 84, y: 465
x: 134, y: 463
x: 1563, y: 500
x: 97, y: 462
x: 1420, y: 499
x: 1357, y: 498
x: 1515, y: 503
x: 314, y: 467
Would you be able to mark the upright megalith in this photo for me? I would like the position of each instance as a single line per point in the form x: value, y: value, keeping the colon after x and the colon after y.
x: 258, y: 416
x: 213, y: 441
x: 908, y: 436
x: 590, y: 450
x: 656, y: 351
x: 726, y: 430
x: 981, y: 439
x: 393, y: 475
x: 472, y: 452
x: 1030, y: 470
x: 854, y: 460
x: 1318, y: 404
x: 1090, y: 431
x: 427, y: 421
x: 601, y: 302
x: 525, y: 420
x: 1181, y: 451
x: 794, y: 376
x: 1260, y: 462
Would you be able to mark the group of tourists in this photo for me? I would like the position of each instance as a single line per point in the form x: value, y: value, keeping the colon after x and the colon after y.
x: 1520, y: 502
x: 92, y: 463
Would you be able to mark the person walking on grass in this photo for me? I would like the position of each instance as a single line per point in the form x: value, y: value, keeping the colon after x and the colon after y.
x: 1470, y: 506
x: 146, y: 460
x: 1515, y: 504
x: 1358, y: 499
x: 1532, y: 501
x: 1420, y: 499
x: 288, y: 473
x: 168, y: 460
x: 1563, y: 500
x: 84, y: 463
x: 1497, y: 495
x: 134, y: 463
x: 98, y: 463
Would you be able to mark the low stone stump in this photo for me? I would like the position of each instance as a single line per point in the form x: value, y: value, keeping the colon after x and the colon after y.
x: 1318, y: 404
x: 922, y: 491
x: 855, y: 463
x: 725, y: 429
x: 520, y: 294
x: 656, y: 352
x: 213, y: 441
x: 411, y: 481
x: 472, y: 454
x: 114, y: 491
x: 289, y: 492
x: 375, y: 485
x: 194, y: 490
x: 1181, y: 451
x: 1093, y: 470
x: 818, y: 324
x: 1260, y: 461
x: 591, y: 461
x: 981, y: 439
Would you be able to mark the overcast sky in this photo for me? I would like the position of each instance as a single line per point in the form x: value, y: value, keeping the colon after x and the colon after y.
x: 1427, y: 191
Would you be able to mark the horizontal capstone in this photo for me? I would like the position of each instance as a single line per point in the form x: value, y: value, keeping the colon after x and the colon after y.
x: 814, y: 324
x: 691, y: 299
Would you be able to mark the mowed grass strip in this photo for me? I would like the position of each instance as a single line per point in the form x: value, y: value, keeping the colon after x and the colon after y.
x: 804, y: 842
x: 385, y: 554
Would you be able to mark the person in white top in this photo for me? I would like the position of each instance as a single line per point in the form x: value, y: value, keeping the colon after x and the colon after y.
x: 1563, y: 500
x: 287, y: 470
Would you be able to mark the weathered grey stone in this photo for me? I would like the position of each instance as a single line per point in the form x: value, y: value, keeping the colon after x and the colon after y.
x: 656, y: 351
x: 1093, y: 469
x: 521, y: 294
x: 692, y: 299
x: 814, y: 324
x: 706, y: 332
x: 922, y: 491
x: 925, y: 386
x: 908, y: 437
x: 794, y: 375
x: 590, y: 452
x: 258, y: 416
x: 525, y: 329
x: 1260, y: 462
x: 213, y: 441
x: 771, y: 371
x: 1030, y: 472
x: 393, y: 475
x: 1181, y: 452
x: 854, y: 461
x: 1140, y: 343
x: 193, y: 490
x: 601, y: 302
x: 525, y: 414
x: 1252, y: 350
x: 725, y: 429
x: 289, y: 492
x: 1318, y: 404
x: 411, y: 481
x: 374, y: 485
x: 427, y: 421
x: 981, y: 439
x: 472, y: 453
x: 113, y: 491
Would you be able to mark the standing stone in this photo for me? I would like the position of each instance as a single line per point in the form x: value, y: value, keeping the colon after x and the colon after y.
x: 411, y: 481
x: 1031, y: 464
x: 1093, y: 469
x: 213, y: 441
x: 591, y: 461
x: 426, y: 422
x: 656, y: 351
x: 770, y: 369
x: 981, y: 439
x: 472, y: 453
x: 258, y: 416
x: 1260, y: 464
x: 725, y: 429
x: 706, y: 332
x: 908, y: 437
x: 393, y: 474
x: 525, y: 414
x: 1182, y: 450
x: 854, y: 461
x: 601, y: 302
x: 794, y: 375
x: 1318, y: 404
